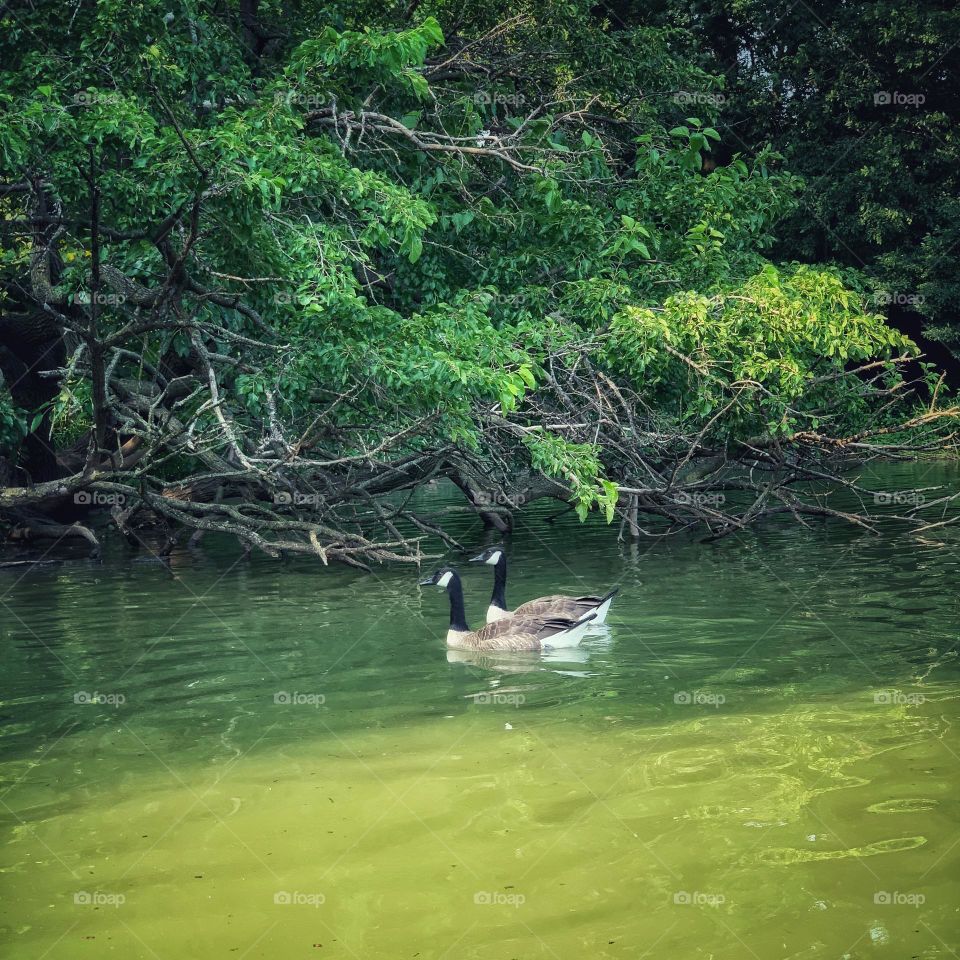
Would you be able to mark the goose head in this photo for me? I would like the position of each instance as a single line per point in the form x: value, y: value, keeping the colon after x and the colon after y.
x: 489, y: 556
x: 440, y: 578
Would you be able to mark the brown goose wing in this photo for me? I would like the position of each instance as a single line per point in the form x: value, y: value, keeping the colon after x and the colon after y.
x: 507, y: 635
x: 516, y: 634
x: 557, y: 605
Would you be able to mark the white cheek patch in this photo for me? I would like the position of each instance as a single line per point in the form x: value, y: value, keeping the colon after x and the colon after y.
x: 445, y: 579
x: 494, y: 559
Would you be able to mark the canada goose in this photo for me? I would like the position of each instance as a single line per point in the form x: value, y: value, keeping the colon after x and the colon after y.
x: 556, y: 605
x: 512, y: 635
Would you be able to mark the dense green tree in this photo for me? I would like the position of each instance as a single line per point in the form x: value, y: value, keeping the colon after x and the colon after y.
x: 278, y: 260
x: 862, y: 101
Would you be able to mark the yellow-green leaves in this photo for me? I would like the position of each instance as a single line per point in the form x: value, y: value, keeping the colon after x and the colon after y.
x: 768, y: 355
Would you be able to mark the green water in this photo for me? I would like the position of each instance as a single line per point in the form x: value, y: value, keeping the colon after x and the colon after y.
x: 758, y: 757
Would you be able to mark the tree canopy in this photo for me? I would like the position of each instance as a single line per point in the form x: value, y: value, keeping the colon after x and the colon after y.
x: 861, y: 100
x: 264, y: 264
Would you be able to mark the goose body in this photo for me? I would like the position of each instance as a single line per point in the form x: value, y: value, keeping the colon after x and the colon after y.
x: 513, y: 635
x: 554, y: 605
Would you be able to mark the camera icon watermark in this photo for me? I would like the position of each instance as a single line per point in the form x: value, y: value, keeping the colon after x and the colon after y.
x: 894, y: 298
x: 495, y: 98
x: 100, y: 298
x: 97, y: 498
x: 297, y: 898
x: 700, y: 499
x: 284, y: 498
x: 899, y: 498
x: 90, y: 98
x: 894, y: 898
x: 496, y: 898
x: 98, y: 898
x: 96, y: 698
x: 498, y: 498
x: 699, y: 98
x: 895, y: 98
x: 287, y: 699
x: 293, y: 97
x: 501, y: 699
x: 700, y: 698
x: 897, y: 698
x: 697, y: 898
x: 516, y: 300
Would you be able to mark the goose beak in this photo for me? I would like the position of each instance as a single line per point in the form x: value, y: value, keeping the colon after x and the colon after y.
x: 426, y: 583
x: 476, y: 559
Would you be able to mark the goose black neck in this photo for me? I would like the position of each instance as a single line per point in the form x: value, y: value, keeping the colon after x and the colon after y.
x: 499, y: 597
x: 458, y: 614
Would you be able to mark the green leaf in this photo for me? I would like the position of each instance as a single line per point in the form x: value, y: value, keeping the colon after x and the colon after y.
x: 416, y: 249
x: 610, y: 498
x: 526, y: 374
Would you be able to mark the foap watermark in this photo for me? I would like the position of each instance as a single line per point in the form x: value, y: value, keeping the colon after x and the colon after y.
x: 697, y: 898
x: 284, y: 498
x: 699, y: 698
x: 500, y: 699
x: 497, y: 898
x: 298, y: 898
x: 294, y: 97
x: 701, y: 499
x: 897, y: 698
x: 91, y: 98
x: 496, y: 98
x: 517, y: 300
x: 96, y: 698
x: 99, y: 298
x: 896, y: 298
x: 98, y: 898
x: 899, y: 498
x: 286, y: 699
x: 698, y: 97
x: 498, y: 498
x: 896, y: 98
x: 895, y: 898
x: 97, y: 498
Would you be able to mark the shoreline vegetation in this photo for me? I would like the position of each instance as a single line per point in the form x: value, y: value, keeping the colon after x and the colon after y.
x: 268, y: 276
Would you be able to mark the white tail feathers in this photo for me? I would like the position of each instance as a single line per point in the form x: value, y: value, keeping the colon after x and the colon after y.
x: 572, y: 636
x: 599, y: 613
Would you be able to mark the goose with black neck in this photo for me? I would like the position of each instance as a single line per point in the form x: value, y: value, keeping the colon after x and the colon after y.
x: 515, y: 634
x: 555, y: 605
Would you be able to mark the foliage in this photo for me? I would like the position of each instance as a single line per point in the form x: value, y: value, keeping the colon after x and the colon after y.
x: 784, y: 335
x: 354, y: 231
x: 12, y: 425
x: 861, y: 101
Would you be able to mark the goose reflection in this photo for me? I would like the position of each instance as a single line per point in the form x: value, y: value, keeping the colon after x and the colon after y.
x: 567, y: 662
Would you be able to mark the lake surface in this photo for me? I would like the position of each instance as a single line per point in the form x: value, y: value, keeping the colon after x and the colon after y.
x: 757, y: 757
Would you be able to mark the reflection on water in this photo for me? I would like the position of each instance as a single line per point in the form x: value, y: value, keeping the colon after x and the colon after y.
x: 567, y: 661
x: 756, y: 756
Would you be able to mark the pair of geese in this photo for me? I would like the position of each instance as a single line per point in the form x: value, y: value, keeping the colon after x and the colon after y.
x: 553, y: 621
